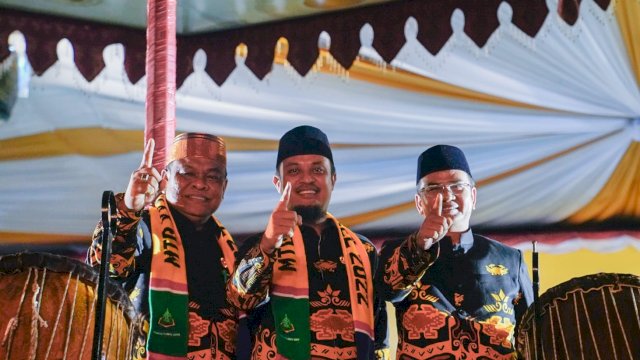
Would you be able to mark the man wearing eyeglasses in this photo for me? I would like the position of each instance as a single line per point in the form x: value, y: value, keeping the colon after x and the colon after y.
x: 458, y: 295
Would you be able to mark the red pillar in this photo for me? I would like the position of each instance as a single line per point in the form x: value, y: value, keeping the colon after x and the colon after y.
x: 161, y: 77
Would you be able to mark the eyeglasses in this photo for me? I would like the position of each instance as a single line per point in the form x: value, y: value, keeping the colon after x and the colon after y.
x: 455, y: 188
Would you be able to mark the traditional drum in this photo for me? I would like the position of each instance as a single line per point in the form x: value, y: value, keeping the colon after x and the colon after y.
x: 590, y: 317
x: 47, y: 310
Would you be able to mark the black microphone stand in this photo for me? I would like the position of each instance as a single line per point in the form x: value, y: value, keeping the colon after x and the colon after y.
x: 537, y: 331
x: 108, y: 232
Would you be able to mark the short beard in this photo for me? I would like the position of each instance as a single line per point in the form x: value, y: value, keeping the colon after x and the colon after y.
x: 310, y: 214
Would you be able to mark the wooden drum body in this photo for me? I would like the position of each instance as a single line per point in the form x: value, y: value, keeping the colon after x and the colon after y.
x: 47, y: 310
x: 590, y: 317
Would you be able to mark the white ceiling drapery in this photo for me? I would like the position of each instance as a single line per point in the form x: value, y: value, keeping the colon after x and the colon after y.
x: 539, y: 156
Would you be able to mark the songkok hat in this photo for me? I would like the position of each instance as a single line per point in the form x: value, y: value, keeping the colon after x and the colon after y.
x: 303, y: 140
x: 441, y: 157
x: 197, y: 145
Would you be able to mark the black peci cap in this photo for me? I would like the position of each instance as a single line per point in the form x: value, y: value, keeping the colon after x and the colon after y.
x: 441, y: 157
x: 303, y: 140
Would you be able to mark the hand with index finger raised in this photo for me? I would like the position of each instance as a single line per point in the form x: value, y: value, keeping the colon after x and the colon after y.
x: 281, y: 223
x: 435, y: 226
x: 144, y: 182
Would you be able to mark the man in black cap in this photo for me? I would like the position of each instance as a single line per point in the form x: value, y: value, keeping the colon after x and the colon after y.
x: 458, y: 295
x: 307, y: 280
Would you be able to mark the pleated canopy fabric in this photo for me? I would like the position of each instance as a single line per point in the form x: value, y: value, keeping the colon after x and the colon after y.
x: 387, y: 18
x: 550, y: 125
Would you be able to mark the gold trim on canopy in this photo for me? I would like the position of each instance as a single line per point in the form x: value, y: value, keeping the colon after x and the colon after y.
x: 95, y: 141
x: 79, y: 141
x: 619, y: 196
x: 628, y: 15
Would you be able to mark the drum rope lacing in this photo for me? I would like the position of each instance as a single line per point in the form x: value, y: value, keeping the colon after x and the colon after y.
x: 73, y: 310
x: 12, y: 325
x: 55, y: 325
x: 86, y: 328
x: 22, y: 325
x: 615, y: 307
x: 36, y: 319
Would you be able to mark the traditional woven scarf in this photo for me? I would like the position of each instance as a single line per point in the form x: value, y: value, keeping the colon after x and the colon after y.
x: 168, y: 295
x: 290, y: 294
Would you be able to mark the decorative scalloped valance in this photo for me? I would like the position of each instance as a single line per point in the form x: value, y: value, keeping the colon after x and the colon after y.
x: 43, y: 32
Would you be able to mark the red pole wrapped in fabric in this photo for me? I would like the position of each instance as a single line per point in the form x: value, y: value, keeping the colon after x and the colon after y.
x: 161, y: 77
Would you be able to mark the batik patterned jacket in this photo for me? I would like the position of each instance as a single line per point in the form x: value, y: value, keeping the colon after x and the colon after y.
x: 331, y: 322
x: 461, y: 303
x: 213, y: 321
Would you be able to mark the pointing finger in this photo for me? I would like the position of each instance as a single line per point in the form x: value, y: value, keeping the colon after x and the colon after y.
x: 147, y: 156
x: 284, y: 198
x: 437, y: 205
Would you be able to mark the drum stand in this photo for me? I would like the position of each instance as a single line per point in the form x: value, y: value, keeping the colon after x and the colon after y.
x: 108, y: 232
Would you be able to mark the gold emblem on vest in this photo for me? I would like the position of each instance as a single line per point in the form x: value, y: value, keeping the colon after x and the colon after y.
x: 501, y: 304
x: 497, y: 270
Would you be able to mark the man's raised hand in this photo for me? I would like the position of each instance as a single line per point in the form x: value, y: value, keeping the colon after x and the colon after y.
x: 281, y: 223
x: 144, y: 182
x: 435, y: 226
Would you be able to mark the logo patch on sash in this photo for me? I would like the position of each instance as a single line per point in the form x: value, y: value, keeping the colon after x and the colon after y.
x: 286, y: 325
x: 166, y: 320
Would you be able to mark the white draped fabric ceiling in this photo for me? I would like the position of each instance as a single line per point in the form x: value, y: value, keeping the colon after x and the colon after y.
x: 545, y: 121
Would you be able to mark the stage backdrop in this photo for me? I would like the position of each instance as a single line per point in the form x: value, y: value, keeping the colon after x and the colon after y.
x: 549, y: 120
